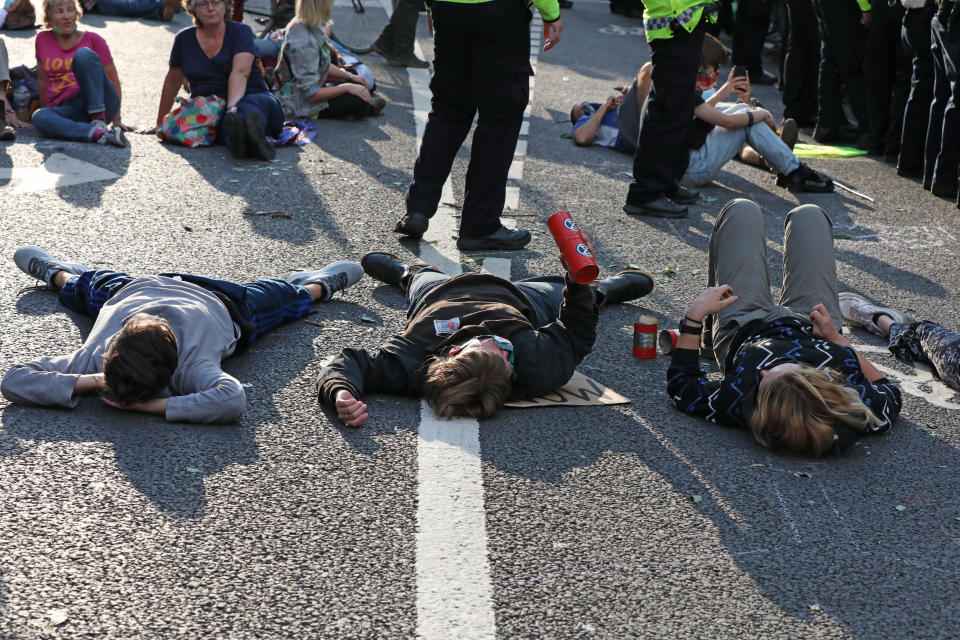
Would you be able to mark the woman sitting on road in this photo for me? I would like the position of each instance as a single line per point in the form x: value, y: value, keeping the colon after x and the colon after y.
x: 78, y: 83
x: 304, y: 69
x: 216, y: 57
x: 789, y: 375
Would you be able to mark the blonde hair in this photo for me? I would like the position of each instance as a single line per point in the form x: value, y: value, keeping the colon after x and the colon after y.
x: 190, y: 7
x: 799, y: 410
x: 314, y: 13
x: 475, y: 383
x: 48, y: 5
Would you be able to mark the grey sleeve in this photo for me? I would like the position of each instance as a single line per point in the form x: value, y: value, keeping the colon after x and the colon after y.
x: 204, y: 393
x: 47, y: 382
x: 306, y: 61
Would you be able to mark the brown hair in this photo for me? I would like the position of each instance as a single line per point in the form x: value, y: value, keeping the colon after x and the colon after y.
x: 475, y: 383
x: 798, y: 412
x: 190, y: 5
x: 141, y: 360
x: 50, y: 4
x: 713, y: 54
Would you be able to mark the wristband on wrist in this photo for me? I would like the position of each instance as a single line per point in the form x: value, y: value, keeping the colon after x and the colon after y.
x: 750, y: 118
x: 686, y: 328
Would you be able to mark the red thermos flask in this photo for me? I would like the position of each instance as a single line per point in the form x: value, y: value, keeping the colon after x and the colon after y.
x: 575, y: 249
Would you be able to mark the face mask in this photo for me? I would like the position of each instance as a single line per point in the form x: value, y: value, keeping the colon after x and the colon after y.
x: 707, y: 79
x: 60, y: 32
x: 502, y: 343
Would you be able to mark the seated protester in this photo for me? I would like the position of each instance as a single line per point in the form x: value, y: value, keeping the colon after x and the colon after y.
x: 475, y: 340
x: 788, y: 374
x: 157, y: 341
x: 162, y: 10
x: 308, y: 84
x: 8, y: 119
x: 717, y: 136
x: 77, y: 80
x: 616, y: 122
x: 216, y: 57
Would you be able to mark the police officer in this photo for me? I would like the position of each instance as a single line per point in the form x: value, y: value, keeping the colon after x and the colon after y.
x: 481, y: 64
x: 943, y: 134
x: 916, y: 40
x: 675, y: 31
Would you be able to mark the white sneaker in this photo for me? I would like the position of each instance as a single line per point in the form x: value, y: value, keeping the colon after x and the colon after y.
x: 858, y: 310
x: 334, y: 277
x: 113, y: 136
x: 42, y: 265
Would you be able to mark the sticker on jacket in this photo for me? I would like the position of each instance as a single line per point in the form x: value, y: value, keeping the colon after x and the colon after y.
x: 447, y: 327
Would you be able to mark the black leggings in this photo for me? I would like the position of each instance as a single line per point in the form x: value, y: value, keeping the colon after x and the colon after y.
x: 346, y: 106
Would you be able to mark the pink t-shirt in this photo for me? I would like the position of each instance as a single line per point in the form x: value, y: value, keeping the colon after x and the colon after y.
x: 57, y: 63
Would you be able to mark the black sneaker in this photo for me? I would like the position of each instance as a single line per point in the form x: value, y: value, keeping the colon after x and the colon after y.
x: 625, y: 286
x: 257, y: 142
x: 42, y: 265
x: 805, y: 179
x: 232, y: 125
x: 7, y: 134
x: 334, y: 277
x: 412, y: 224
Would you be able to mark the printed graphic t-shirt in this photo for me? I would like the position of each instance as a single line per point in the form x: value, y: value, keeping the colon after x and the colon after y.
x: 608, y: 133
x: 57, y: 64
x: 208, y: 76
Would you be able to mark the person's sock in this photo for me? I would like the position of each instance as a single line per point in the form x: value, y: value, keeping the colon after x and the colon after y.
x: 876, y: 317
x: 99, y: 115
x: 97, y: 133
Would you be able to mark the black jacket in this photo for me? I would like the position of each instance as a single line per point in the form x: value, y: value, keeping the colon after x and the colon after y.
x: 544, y: 357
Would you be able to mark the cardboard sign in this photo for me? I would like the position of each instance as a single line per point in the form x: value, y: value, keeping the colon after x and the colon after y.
x: 580, y: 391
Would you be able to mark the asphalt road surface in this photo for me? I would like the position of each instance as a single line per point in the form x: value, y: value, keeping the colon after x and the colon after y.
x: 540, y: 523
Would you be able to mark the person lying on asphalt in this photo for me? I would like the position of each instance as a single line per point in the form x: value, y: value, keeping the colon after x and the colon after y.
x: 789, y: 375
x: 157, y: 341
x: 474, y: 341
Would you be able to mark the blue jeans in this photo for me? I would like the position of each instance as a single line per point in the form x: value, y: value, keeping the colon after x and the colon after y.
x: 545, y: 293
x: 257, y: 306
x: 70, y: 119
x: 149, y: 9
x: 266, y: 48
x: 722, y: 145
x: 263, y: 103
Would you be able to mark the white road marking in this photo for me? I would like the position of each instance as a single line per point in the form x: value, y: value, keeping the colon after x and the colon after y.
x: 454, y: 591
x: 938, y: 395
x: 57, y: 171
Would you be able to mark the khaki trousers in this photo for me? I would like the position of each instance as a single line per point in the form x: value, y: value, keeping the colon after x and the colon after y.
x: 738, y: 257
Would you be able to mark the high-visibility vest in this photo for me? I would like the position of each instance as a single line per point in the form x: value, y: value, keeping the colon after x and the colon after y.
x: 658, y: 15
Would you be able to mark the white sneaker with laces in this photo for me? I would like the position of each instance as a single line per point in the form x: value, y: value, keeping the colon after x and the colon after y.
x: 858, y: 310
x: 334, y: 277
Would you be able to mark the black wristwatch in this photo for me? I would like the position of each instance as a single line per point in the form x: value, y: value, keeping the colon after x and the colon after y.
x: 686, y: 328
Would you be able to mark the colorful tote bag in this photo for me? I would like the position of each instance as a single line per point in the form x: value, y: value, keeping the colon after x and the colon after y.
x: 193, y: 122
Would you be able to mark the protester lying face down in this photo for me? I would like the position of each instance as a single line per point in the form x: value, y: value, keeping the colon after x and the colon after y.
x: 789, y: 376
x: 474, y: 341
x: 157, y: 342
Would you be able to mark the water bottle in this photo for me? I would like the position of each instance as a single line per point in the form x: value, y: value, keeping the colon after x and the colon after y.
x: 21, y: 101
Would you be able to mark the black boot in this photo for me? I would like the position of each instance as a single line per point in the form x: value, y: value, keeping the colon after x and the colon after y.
x: 623, y: 287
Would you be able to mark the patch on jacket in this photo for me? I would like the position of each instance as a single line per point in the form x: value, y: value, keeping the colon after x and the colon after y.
x: 446, y: 327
